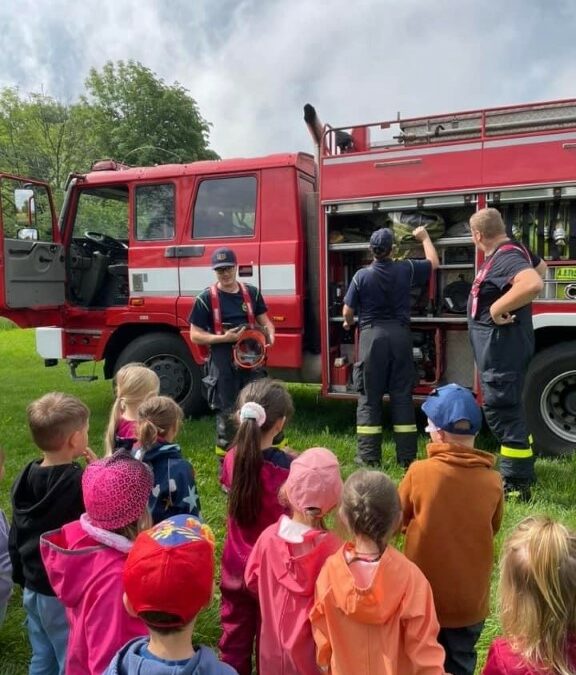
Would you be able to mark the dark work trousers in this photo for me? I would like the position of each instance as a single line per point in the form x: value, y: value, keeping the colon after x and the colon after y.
x: 385, y: 366
x: 460, y: 647
x: 502, y: 355
x: 222, y: 384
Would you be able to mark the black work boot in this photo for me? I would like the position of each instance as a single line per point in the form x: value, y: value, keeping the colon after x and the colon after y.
x: 517, y: 491
x: 367, y: 463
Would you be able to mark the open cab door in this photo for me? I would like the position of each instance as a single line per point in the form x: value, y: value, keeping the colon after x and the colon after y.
x: 32, y: 261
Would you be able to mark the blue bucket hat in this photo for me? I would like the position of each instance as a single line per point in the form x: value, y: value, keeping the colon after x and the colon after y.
x: 382, y: 238
x: 448, y: 405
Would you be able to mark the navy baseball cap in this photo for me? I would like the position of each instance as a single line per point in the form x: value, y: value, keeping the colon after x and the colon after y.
x: 223, y: 257
x: 448, y: 405
x: 382, y: 238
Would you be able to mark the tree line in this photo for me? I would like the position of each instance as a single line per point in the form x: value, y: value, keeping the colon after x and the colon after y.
x: 126, y: 113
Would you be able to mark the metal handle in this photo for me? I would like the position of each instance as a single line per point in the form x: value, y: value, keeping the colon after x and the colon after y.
x: 397, y: 162
x: 568, y: 146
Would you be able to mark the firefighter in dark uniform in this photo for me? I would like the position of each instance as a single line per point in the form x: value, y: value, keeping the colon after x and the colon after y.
x: 224, y: 380
x: 502, y: 337
x: 380, y: 296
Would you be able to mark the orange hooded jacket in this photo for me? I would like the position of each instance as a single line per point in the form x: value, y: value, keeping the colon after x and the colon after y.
x: 389, y: 628
x: 452, y: 504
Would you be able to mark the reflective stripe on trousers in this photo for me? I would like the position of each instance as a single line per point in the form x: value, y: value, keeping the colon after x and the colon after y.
x: 385, y: 366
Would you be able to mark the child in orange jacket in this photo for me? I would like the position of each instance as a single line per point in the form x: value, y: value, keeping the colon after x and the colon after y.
x: 454, y: 497
x: 374, y: 613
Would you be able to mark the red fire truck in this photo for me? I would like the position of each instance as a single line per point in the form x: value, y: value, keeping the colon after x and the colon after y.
x: 115, y: 276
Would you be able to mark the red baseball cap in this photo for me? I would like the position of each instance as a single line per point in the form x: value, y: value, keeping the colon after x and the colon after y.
x: 170, y: 569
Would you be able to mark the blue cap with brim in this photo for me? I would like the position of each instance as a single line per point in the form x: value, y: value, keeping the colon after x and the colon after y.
x: 382, y: 238
x: 451, y: 404
x: 223, y: 257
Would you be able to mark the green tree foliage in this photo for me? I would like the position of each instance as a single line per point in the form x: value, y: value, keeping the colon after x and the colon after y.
x: 42, y: 138
x: 127, y: 114
x: 141, y: 120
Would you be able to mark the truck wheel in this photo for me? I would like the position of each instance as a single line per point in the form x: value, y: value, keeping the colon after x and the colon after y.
x: 168, y: 356
x: 550, y: 400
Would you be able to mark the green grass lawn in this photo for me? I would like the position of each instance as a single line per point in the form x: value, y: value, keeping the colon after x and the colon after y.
x: 23, y: 377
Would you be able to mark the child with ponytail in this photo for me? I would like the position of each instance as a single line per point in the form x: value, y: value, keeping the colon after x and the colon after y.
x: 284, y: 565
x: 133, y: 384
x: 253, y: 472
x: 174, y: 492
x: 374, y: 611
x: 537, y: 602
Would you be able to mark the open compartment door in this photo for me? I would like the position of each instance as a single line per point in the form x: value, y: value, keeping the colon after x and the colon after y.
x: 32, y: 268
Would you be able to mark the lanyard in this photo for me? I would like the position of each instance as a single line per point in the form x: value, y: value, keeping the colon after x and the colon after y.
x: 217, y: 313
x: 483, y: 272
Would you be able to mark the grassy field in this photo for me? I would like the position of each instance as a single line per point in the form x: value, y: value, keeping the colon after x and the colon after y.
x: 317, y: 422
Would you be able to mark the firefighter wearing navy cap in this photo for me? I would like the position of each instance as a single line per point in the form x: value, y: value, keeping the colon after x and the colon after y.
x: 380, y: 296
x: 219, y: 319
x: 502, y: 337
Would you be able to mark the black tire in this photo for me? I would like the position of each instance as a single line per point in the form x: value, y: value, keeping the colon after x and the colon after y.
x: 169, y: 356
x: 550, y: 400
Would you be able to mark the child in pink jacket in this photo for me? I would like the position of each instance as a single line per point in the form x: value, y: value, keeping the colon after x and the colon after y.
x: 537, y: 602
x: 253, y: 472
x: 85, y: 558
x: 284, y: 565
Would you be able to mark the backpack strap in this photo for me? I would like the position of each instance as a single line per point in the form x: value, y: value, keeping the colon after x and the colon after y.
x: 249, y: 305
x: 217, y: 312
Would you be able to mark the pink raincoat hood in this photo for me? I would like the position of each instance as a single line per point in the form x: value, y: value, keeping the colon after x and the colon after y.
x: 86, y: 575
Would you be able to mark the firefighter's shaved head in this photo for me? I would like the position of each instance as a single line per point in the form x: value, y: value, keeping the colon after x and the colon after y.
x: 488, y: 222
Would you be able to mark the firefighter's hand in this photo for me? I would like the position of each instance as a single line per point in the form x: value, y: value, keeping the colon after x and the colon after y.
x: 420, y: 233
x: 233, y: 334
x: 346, y: 325
x: 502, y: 319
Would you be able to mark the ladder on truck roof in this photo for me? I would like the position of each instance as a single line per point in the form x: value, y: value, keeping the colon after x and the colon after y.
x: 463, y: 126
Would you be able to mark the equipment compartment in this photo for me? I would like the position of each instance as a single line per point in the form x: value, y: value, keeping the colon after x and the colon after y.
x: 435, y: 313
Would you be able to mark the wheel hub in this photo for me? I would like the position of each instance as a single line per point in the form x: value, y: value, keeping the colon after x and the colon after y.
x: 174, y: 375
x: 558, y: 405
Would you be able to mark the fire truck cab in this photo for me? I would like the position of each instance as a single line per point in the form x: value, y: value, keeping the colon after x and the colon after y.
x: 114, y: 277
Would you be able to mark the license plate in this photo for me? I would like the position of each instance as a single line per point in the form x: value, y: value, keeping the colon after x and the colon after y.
x: 566, y: 274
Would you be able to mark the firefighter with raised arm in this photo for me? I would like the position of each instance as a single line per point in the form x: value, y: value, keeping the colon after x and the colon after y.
x: 502, y: 337
x: 231, y: 318
x: 380, y: 295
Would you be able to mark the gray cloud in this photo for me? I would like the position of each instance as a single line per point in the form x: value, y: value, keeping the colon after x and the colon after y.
x: 251, y: 65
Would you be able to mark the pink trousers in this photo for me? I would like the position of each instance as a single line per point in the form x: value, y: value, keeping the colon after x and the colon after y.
x: 240, y: 618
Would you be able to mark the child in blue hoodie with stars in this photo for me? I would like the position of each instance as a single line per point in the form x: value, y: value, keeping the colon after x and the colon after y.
x: 174, y: 492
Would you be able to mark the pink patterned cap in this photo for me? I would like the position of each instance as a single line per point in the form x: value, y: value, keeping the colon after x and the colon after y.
x: 116, y: 490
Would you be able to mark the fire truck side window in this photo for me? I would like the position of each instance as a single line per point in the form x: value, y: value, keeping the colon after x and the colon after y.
x: 225, y: 207
x: 104, y: 211
x: 26, y: 212
x: 155, y: 212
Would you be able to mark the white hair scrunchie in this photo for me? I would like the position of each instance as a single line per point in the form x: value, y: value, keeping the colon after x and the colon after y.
x: 253, y: 411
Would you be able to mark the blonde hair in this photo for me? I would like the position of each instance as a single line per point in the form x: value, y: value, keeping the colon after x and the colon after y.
x: 133, y: 384
x: 538, y: 592
x: 54, y: 417
x: 157, y: 417
x: 371, y: 506
x: 488, y: 222
x: 132, y: 530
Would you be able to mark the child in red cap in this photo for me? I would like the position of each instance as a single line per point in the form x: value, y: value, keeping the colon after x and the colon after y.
x: 84, y: 561
x: 284, y: 565
x: 168, y: 579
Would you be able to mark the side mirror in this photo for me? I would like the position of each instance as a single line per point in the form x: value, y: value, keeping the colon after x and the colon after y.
x: 25, y: 206
x: 27, y: 234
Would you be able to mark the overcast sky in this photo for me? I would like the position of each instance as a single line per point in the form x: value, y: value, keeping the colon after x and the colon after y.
x: 252, y: 64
